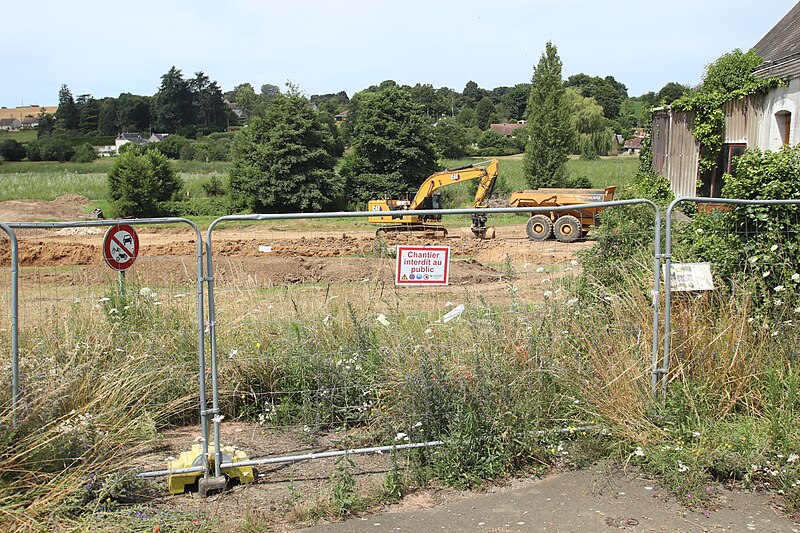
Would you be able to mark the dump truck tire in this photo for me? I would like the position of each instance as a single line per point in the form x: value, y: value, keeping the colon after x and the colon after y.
x: 567, y: 228
x: 539, y: 228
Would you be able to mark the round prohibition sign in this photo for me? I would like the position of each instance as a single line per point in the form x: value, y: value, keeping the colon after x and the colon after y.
x: 120, y: 246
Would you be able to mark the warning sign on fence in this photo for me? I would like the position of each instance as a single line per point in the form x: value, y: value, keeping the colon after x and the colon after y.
x: 120, y: 246
x: 422, y: 265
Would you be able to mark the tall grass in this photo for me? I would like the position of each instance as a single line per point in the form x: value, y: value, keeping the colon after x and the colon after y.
x: 101, y: 378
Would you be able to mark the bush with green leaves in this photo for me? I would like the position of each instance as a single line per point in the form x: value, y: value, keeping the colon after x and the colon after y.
x: 12, y: 150
x: 752, y: 239
x: 50, y: 148
x: 139, y: 183
x: 84, y: 154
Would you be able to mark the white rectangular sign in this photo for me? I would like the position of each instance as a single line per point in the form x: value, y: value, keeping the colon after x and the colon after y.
x: 691, y: 277
x: 422, y: 265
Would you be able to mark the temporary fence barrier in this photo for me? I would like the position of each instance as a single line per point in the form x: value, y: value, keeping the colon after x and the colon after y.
x: 770, y: 227
x: 325, y: 381
x: 318, y: 369
x: 14, y: 318
x: 56, y: 300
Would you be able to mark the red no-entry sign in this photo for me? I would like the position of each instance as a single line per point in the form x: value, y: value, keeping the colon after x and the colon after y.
x: 120, y: 246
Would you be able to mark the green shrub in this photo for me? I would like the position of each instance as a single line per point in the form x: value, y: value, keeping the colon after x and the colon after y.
x: 84, y: 154
x: 139, y: 183
x: 12, y: 150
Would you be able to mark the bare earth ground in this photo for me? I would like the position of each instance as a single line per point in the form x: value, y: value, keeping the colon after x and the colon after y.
x: 601, y: 498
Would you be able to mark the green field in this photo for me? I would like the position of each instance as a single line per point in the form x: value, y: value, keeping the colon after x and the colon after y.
x: 47, y: 180
x: 22, y: 136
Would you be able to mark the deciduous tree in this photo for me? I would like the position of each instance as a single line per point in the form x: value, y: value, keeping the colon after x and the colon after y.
x: 284, y: 161
x: 392, y: 144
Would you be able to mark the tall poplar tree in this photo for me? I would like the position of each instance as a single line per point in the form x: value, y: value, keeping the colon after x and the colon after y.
x: 549, y: 128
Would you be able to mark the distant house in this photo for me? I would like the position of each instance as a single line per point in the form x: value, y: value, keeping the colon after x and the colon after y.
x: 632, y: 146
x: 507, y: 130
x: 766, y: 121
x: 341, y: 117
x: 157, y: 137
x: 106, y: 150
x: 10, y: 124
x: 617, y: 141
x: 125, y: 138
x: 29, y: 123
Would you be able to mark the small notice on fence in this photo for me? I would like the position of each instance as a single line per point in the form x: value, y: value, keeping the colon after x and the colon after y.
x: 686, y: 277
x: 422, y: 265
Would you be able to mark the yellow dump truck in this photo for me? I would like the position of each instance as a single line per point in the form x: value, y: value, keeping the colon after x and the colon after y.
x: 565, y: 225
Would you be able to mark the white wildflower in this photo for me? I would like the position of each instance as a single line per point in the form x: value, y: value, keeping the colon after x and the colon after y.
x: 795, y: 277
x: 792, y: 458
x: 773, y: 247
x: 639, y: 451
x: 548, y: 294
x: 682, y: 467
x: 779, y: 288
x: 401, y: 436
x: 766, y: 274
x: 145, y: 291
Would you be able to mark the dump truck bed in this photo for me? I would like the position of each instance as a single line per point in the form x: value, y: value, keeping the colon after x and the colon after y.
x: 558, y: 197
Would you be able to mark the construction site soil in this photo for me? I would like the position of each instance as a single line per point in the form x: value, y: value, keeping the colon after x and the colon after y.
x: 320, y: 256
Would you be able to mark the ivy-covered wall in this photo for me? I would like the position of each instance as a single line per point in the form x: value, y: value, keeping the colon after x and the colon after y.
x: 687, y: 137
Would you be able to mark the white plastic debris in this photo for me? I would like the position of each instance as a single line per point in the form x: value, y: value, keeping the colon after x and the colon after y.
x: 456, y: 311
x: 265, y: 248
x: 382, y: 319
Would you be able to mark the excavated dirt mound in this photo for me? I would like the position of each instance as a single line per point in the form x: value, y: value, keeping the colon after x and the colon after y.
x: 65, y: 207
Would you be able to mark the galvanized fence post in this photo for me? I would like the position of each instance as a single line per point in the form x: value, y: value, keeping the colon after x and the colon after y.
x: 14, y: 316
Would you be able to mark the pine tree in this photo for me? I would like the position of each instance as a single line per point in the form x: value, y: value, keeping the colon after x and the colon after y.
x: 67, y: 113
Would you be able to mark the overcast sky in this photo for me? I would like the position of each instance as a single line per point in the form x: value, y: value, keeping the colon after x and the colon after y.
x: 323, y: 46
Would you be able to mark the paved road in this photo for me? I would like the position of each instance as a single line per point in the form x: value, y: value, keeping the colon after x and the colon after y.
x: 592, y: 500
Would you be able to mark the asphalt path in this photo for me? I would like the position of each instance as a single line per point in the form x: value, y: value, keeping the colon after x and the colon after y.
x: 598, y: 499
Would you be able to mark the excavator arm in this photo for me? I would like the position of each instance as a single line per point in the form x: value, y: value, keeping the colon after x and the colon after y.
x: 486, y: 171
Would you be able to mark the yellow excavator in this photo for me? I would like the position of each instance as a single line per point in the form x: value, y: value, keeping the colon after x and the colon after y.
x: 429, y: 196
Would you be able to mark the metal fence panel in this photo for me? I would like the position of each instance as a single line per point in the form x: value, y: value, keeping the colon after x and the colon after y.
x: 81, y: 323
x: 311, y: 336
